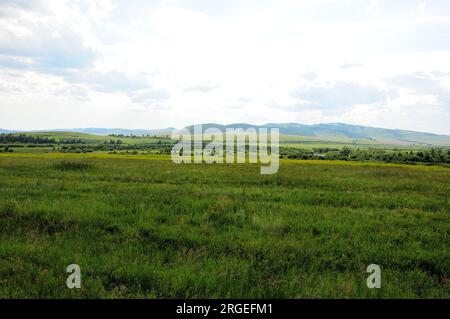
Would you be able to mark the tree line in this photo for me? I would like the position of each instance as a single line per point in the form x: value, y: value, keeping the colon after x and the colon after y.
x: 431, y: 155
x: 29, y: 139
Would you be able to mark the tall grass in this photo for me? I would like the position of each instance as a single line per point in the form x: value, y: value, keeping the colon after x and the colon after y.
x: 72, y: 166
x: 151, y: 228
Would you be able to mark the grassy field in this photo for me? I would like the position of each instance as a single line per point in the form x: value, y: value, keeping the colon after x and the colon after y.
x: 141, y: 226
x: 305, y: 142
x: 96, y: 139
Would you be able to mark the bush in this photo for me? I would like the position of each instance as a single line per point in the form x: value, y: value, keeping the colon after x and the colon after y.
x: 73, y: 166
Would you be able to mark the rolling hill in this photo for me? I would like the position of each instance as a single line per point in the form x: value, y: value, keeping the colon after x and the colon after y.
x: 335, y: 132
x: 347, y: 132
x: 3, y: 131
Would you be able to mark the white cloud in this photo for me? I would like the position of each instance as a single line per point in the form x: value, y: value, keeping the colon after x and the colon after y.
x: 174, y: 63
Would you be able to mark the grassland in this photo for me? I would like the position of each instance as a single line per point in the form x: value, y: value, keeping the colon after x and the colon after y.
x: 141, y: 226
x: 96, y: 139
x: 305, y: 142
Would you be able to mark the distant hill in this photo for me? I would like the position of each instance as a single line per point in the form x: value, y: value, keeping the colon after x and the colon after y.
x: 117, y: 131
x: 340, y: 131
x: 318, y: 132
x: 103, y: 131
x: 100, y: 131
x: 2, y: 131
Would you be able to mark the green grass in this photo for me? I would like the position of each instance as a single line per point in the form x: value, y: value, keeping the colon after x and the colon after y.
x: 95, y: 139
x: 72, y: 166
x: 141, y: 226
x: 307, y: 143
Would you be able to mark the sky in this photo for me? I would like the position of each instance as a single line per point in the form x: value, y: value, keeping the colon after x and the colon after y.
x: 172, y: 63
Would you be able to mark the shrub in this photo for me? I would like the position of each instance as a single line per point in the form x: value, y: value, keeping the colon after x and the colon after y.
x: 73, y: 166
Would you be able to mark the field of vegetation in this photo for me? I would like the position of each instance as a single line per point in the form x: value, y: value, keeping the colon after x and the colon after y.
x: 142, y: 226
x: 291, y: 147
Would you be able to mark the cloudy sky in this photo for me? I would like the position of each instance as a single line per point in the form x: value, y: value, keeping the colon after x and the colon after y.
x: 154, y: 64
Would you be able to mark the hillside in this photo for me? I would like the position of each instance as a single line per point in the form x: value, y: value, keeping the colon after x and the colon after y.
x: 340, y: 132
x: 123, y: 131
x: 3, y: 131
x: 292, y: 132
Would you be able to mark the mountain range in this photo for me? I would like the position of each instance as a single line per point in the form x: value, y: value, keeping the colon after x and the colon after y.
x: 328, y: 132
x: 341, y: 131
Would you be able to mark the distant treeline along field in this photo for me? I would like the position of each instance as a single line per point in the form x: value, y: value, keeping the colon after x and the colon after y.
x: 290, y: 148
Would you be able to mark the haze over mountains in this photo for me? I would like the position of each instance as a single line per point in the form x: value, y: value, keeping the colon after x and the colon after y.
x: 330, y: 131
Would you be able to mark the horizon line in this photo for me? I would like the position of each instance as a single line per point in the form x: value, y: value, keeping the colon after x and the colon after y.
x: 67, y: 129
